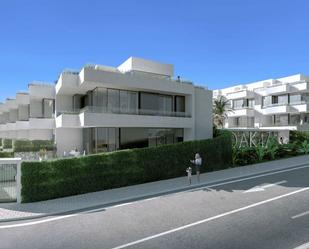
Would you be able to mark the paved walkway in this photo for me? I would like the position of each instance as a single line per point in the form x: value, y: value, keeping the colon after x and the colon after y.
x: 14, y: 211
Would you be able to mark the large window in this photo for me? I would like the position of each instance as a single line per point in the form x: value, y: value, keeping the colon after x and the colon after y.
x: 113, y: 100
x: 180, y: 105
x: 48, y: 108
x: 151, y: 103
x: 98, y: 140
x: 144, y: 137
x: 99, y: 98
x: 23, y: 112
x: 238, y: 104
x: 128, y: 102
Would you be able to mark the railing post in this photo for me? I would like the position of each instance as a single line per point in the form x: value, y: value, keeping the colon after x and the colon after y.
x: 18, y: 180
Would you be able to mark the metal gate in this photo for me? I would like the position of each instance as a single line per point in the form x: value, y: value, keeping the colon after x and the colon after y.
x: 8, y: 179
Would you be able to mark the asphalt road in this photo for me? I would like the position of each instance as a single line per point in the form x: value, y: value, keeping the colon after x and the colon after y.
x: 270, y: 211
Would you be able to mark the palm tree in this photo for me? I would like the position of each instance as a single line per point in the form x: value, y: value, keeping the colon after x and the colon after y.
x: 220, y: 110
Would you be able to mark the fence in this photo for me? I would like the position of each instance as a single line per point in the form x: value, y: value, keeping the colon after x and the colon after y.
x: 10, y: 179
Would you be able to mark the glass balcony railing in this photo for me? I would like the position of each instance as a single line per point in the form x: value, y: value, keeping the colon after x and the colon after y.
x: 99, y: 109
x: 286, y: 104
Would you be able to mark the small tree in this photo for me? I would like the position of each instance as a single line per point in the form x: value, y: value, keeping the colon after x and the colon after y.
x: 220, y: 110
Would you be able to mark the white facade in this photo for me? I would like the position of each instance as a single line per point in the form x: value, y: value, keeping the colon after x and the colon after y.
x: 275, y: 104
x: 103, y: 108
x: 29, y: 115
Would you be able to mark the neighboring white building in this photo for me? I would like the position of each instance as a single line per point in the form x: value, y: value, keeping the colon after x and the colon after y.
x: 30, y: 115
x: 276, y: 104
x: 101, y: 108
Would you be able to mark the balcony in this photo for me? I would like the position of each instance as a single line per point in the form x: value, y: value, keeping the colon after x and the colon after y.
x: 299, y: 86
x: 92, y: 76
x: 274, y: 90
x: 249, y: 112
x: 302, y: 106
x: 279, y: 108
x: 22, y: 125
x: 68, y: 120
x: 41, y: 123
x: 104, y: 117
x: 243, y: 94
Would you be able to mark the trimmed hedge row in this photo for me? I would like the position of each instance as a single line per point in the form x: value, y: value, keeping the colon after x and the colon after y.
x: 53, y: 179
x: 33, y: 146
x: 4, y: 154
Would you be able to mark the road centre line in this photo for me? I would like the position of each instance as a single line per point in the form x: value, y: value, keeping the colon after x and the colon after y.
x: 104, y: 208
x: 300, y: 215
x: 304, y: 246
x: 209, y: 219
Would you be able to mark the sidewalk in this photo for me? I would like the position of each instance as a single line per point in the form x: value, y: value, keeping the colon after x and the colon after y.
x: 14, y: 211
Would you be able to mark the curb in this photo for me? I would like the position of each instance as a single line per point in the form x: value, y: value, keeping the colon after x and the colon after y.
x: 147, y: 196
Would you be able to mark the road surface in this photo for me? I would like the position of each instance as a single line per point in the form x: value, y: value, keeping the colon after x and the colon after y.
x: 263, y: 211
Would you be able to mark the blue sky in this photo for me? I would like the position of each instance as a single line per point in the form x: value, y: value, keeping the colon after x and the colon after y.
x: 214, y: 43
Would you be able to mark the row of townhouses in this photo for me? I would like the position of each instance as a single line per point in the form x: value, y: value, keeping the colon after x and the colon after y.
x: 101, y: 108
x: 279, y: 105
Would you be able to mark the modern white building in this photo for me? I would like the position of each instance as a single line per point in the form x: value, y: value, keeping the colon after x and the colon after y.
x: 276, y: 104
x: 29, y: 115
x: 137, y: 104
x: 102, y: 108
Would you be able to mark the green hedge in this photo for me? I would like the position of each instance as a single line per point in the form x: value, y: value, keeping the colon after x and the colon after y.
x: 4, y: 154
x: 33, y: 146
x: 299, y: 136
x: 65, y: 177
x: 7, y: 143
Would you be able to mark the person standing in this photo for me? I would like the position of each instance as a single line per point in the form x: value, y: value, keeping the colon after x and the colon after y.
x: 197, y: 162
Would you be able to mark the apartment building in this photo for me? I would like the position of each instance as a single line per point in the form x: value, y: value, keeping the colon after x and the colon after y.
x: 137, y: 104
x: 276, y: 104
x: 30, y: 115
x: 101, y: 108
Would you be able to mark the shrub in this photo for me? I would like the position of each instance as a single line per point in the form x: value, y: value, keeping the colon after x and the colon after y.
x: 65, y: 177
x: 4, y: 154
x: 244, y: 156
x: 304, y: 147
x: 285, y: 150
x: 33, y: 146
x: 7, y: 143
x: 272, y: 148
x: 298, y: 137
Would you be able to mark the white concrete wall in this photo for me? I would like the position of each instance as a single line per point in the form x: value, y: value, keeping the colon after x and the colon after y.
x: 91, y: 78
x: 203, y: 114
x: 22, y: 134
x: 124, y: 120
x: 68, y: 139
x: 40, y: 134
x: 139, y: 64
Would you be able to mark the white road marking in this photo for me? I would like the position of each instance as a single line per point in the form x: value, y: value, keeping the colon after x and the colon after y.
x: 120, y: 205
x: 263, y: 187
x: 104, y: 208
x: 248, y: 178
x: 300, y: 215
x: 304, y: 246
x: 210, y: 219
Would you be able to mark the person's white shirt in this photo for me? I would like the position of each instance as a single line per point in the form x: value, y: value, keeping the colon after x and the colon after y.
x: 198, y: 161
